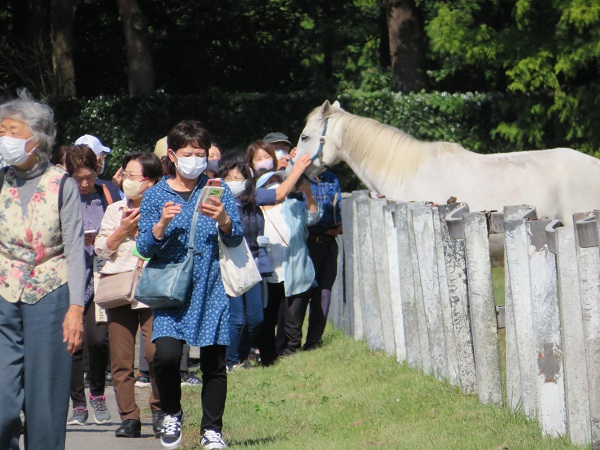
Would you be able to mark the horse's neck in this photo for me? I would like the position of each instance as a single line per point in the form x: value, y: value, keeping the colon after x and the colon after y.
x: 390, y: 163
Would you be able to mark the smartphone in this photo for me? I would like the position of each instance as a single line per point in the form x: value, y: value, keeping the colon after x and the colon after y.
x: 214, y: 182
x: 90, y: 232
x: 209, y: 192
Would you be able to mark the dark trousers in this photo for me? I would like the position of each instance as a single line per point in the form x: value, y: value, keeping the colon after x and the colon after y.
x: 96, y: 340
x: 167, y: 358
x: 35, y: 371
x: 324, y: 257
x: 123, y: 324
x: 281, y: 333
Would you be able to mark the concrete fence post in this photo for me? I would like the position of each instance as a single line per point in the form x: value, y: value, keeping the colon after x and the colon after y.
x: 588, y: 265
x: 426, y: 363
x: 391, y: 241
x: 561, y: 241
x: 519, y: 310
x: 456, y: 275
x: 546, y: 332
x: 482, y: 308
x: 354, y: 256
x: 451, y: 358
x: 430, y: 288
x: 407, y: 287
x: 380, y: 256
x: 337, y: 309
x: 371, y: 312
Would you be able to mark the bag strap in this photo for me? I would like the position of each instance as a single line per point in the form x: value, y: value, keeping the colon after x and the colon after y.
x: 192, y: 237
x: 272, y: 223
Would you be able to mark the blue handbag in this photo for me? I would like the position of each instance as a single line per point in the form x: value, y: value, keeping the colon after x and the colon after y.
x: 166, y: 285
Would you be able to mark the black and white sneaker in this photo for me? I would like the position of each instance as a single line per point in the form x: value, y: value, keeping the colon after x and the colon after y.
x: 212, y: 439
x: 171, y: 430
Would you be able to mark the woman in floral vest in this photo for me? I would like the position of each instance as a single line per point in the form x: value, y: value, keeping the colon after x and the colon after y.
x: 41, y: 247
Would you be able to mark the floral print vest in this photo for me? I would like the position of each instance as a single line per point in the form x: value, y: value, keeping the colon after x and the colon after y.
x: 32, y: 263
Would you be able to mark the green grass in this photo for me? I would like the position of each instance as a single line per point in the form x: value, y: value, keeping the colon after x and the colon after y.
x: 344, y: 396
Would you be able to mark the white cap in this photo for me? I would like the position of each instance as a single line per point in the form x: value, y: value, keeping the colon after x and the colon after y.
x: 94, y: 143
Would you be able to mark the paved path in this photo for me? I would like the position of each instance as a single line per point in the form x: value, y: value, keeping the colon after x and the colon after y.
x: 102, y: 437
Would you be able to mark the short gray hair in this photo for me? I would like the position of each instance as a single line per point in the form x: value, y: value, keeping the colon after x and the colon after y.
x: 38, y: 116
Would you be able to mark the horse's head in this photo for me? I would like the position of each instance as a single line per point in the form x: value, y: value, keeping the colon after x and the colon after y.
x: 319, y: 140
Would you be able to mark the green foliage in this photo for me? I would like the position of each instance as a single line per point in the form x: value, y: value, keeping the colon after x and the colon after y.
x: 544, y: 54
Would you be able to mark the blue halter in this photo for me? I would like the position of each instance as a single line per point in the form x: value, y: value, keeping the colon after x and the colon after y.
x: 319, y: 153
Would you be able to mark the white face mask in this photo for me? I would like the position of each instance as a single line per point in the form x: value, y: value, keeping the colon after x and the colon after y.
x: 12, y: 150
x: 134, y: 189
x: 190, y: 167
x: 237, y: 187
x: 265, y: 164
x: 274, y: 186
x: 280, y: 154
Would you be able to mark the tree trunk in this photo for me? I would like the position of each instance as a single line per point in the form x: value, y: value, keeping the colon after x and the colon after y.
x: 407, y: 50
x: 140, y: 70
x: 62, y: 13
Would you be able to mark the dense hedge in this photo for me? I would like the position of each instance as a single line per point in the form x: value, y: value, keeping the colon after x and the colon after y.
x: 134, y: 124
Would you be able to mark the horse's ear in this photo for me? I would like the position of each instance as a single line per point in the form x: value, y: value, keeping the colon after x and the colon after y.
x: 325, y: 107
x: 336, y: 104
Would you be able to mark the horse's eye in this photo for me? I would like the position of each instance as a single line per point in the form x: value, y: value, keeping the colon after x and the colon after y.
x: 304, y: 138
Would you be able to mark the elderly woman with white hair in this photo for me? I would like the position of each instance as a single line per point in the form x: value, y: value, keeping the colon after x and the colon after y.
x: 41, y: 278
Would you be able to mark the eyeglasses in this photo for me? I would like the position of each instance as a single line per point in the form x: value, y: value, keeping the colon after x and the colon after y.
x: 229, y: 179
x: 132, y: 176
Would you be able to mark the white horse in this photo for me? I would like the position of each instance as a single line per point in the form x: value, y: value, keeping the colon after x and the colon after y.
x: 558, y: 182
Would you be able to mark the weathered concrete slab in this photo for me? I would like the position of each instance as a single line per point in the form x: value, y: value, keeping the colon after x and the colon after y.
x: 574, y: 361
x: 371, y: 313
x: 517, y: 256
x: 355, y: 263
x: 426, y: 364
x: 483, y: 311
x: 391, y: 240
x: 430, y: 288
x: 380, y: 256
x: 451, y: 359
x: 407, y: 287
x: 456, y: 275
x: 588, y: 265
x: 546, y: 332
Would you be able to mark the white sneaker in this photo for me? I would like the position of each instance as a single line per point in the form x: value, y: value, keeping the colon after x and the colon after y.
x: 212, y: 439
x: 171, y: 430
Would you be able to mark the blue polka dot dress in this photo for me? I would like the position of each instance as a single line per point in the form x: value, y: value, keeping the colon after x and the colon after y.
x: 204, y: 319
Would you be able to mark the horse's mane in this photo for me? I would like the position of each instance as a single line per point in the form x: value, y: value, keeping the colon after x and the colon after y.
x: 382, y: 147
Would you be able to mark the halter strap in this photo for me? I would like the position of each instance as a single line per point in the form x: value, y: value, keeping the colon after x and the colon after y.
x: 319, y: 153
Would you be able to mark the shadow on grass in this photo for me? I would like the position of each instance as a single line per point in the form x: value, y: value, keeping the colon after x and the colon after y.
x: 255, y: 442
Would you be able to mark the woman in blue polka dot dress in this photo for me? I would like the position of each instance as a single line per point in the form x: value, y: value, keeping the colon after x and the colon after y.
x: 165, y: 220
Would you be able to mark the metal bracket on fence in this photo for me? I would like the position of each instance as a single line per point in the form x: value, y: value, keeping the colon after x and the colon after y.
x: 552, y: 236
x: 518, y: 212
x: 539, y: 237
x: 587, y: 230
x: 456, y: 227
x: 496, y: 222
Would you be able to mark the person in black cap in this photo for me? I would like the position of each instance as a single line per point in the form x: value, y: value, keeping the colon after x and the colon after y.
x: 282, y: 146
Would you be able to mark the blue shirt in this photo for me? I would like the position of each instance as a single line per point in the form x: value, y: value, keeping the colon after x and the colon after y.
x: 328, y: 194
x: 204, y: 319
